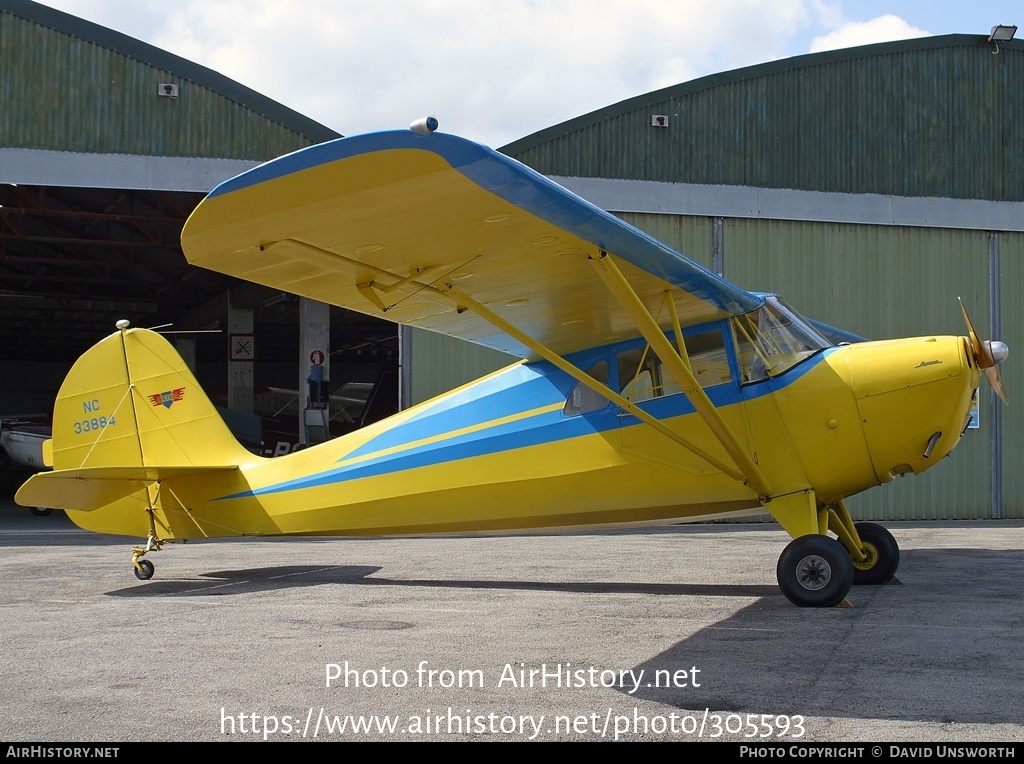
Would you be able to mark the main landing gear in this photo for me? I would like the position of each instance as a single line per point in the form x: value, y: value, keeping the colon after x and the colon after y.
x: 818, y: 570
x: 815, y: 571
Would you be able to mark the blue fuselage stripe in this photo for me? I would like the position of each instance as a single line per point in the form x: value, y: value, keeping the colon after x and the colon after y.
x: 547, y: 427
x: 512, y: 392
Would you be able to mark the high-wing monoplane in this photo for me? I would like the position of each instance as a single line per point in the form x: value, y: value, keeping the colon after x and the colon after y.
x: 649, y: 389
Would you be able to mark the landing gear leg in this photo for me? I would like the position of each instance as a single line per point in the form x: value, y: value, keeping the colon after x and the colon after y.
x: 882, y: 555
x: 815, y: 571
x: 144, y: 569
x: 874, y: 551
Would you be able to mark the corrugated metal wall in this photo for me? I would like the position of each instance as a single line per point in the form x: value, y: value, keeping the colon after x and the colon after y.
x: 442, y: 363
x: 937, y: 116
x: 692, y: 235
x: 64, y: 93
x: 876, y: 281
x: 882, y: 282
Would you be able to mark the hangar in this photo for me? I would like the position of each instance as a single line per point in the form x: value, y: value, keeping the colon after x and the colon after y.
x: 870, y: 186
x: 106, y: 145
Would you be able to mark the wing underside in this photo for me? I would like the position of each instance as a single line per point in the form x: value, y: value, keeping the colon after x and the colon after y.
x: 387, y: 223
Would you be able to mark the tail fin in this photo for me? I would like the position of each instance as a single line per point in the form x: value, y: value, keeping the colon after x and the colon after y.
x: 130, y: 401
x: 128, y: 416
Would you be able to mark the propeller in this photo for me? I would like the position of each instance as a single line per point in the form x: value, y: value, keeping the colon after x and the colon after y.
x: 988, y: 355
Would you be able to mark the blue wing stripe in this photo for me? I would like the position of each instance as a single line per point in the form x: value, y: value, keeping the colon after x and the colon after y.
x: 525, y: 188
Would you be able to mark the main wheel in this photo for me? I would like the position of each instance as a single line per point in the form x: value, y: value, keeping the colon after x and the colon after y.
x: 145, y: 570
x: 883, y: 555
x: 40, y: 511
x: 815, y: 571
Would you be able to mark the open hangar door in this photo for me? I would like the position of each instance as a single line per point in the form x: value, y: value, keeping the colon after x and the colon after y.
x: 75, y: 260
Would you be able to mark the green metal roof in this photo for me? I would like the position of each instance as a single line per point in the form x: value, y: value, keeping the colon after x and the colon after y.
x: 934, y: 116
x: 72, y: 85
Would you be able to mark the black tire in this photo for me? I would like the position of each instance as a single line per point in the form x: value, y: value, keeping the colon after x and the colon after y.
x: 883, y: 556
x: 40, y: 511
x: 145, y: 570
x: 815, y: 571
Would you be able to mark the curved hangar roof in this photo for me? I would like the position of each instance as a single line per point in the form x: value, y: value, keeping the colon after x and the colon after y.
x: 71, y: 85
x: 100, y: 165
x: 909, y: 118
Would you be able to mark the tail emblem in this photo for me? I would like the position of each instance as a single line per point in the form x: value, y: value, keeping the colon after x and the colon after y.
x: 167, y: 399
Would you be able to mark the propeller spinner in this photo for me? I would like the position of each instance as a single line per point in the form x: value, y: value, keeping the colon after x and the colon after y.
x: 988, y: 355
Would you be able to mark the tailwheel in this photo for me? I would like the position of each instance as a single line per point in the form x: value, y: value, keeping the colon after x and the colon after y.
x: 144, y: 570
x: 815, y: 571
x: 883, y: 555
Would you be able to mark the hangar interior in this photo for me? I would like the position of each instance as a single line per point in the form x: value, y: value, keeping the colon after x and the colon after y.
x: 870, y: 186
x: 107, y: 144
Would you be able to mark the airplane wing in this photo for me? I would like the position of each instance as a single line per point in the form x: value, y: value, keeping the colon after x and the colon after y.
x: 384, y: 223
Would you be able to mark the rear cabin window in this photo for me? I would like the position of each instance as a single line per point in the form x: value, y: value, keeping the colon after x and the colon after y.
x: 583, y: 399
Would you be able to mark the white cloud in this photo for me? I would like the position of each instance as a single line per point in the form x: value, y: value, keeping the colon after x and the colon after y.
x: 882, y: 29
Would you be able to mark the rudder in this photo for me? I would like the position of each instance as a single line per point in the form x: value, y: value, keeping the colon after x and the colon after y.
x: 130, y: 400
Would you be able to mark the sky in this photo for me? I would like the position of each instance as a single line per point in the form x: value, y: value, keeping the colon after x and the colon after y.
x: 498, y: 70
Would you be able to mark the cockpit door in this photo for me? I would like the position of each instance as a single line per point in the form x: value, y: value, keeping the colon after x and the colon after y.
x: 646, y: 381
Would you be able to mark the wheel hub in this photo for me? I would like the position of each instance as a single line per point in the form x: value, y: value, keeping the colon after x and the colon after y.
x: 813, y: 572
x: 870, y: 558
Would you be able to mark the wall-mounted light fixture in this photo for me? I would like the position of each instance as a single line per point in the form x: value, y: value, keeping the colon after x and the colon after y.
x: 1001, y: 33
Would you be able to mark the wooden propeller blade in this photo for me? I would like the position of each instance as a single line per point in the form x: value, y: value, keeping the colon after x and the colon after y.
x: 983, y: 356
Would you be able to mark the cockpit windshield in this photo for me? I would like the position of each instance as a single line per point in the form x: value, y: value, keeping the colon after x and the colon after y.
x: 774, y: 339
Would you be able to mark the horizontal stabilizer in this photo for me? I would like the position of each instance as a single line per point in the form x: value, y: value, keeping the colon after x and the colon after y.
x: 89, y: 488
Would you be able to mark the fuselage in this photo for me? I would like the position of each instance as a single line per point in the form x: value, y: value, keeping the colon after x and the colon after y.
x: 526, y: 448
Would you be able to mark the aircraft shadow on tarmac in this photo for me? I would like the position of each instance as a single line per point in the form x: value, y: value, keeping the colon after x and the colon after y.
x: 943, y: 650
x: 247, y: 581
x: 250, y: 580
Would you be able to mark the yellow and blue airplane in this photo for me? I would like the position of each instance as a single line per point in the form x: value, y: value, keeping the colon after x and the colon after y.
x: 650, y: 390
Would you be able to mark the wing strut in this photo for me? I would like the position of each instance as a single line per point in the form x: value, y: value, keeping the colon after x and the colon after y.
x: 743, y: 468
x: 679, y: 364
x: 549, y: 355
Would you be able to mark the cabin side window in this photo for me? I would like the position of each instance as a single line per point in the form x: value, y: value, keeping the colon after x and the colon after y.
x: 708, y: 359
x: 582, y: 399
x: 643, y: 376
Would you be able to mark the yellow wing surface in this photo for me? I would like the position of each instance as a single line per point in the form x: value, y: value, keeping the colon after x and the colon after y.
x: 386, y: 223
